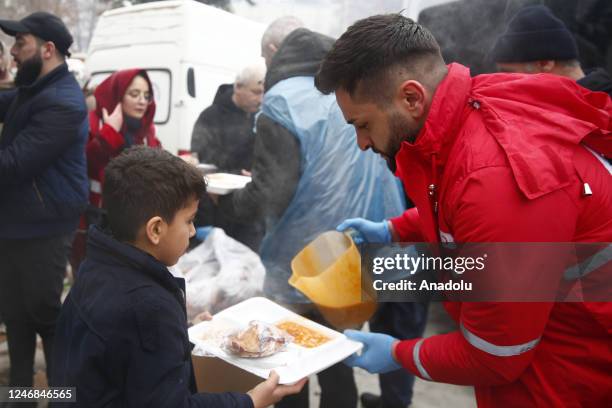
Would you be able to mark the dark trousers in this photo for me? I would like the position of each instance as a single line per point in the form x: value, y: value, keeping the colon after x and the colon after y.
x: 403, y: 321
x: 338, y: 388
x: 31, y: 281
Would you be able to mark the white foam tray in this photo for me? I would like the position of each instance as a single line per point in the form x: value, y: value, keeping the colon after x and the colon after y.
x: 225, y: 183
x: 291, y: 365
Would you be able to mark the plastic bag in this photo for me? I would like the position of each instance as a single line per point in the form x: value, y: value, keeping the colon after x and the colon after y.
x: 337, y: 180
x: 219, y: 273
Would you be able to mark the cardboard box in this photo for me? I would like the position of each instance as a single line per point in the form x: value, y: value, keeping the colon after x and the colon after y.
x: 215, y: 375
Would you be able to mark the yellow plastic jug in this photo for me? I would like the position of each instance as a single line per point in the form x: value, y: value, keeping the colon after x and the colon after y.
x: 328, y: 272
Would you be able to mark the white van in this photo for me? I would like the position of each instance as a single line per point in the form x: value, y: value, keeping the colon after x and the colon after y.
x: 188, y: 50
x: 412, y: 8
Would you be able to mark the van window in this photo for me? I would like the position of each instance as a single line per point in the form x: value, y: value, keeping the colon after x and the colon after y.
x: 161, y: 80
x: 191, y: 89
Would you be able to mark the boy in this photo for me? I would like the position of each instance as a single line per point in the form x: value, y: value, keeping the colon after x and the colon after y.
x: 122, y: 333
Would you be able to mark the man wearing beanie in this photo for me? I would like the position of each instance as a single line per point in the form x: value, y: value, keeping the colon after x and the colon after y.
x: 488, y: 159
x: 538, y: 42
x: 43, y: 179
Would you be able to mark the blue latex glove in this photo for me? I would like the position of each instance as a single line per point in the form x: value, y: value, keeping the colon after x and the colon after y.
x: 202, y: 232
x: 376, y: 356
x: 367, y: 231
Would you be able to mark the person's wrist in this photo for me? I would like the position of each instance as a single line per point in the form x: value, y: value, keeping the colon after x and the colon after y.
x: 387, y: 237
x: 393, y: 351
x: 253, y: 398
x: 112, y: 126
x: 391, y: 364
x: 394, y: 235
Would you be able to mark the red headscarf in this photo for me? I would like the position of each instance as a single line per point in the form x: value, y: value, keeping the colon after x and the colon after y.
x: 110, y: 93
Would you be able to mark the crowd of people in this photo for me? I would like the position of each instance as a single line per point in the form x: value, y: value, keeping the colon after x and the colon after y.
x: 374, y: 131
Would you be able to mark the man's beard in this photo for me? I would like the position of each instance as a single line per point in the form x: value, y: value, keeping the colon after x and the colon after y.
x: 29, y: 70
x: 400, y: 129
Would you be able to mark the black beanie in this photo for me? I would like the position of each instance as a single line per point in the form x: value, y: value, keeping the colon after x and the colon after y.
x: 535, y: 34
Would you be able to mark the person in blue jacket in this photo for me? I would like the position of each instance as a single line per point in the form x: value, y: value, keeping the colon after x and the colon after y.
x: 43, y: 184
x: 122, y: 333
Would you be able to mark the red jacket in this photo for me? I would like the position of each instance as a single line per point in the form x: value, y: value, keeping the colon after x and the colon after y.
x: 104, y: 142
x: 506, y: 155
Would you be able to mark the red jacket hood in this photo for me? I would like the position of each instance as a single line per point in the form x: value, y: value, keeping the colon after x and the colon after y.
x: 111, y: 91
x: 559, y: 103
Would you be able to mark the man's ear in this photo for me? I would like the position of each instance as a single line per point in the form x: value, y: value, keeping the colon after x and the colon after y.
x: 273, y: 48
x: 413, y: 97
x: 48, y: 50
x: 155, y: 229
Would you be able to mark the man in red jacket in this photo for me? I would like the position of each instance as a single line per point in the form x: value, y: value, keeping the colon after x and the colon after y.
x: 495, y: 158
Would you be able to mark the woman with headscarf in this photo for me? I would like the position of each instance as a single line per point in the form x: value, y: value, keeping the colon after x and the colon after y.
x: 123, y: 117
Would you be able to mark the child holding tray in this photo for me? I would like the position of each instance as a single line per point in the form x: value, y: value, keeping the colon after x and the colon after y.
x: 122, y: 338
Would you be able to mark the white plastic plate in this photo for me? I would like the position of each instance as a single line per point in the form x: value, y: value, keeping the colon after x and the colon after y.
x: 225, y: 183
x: 293, y: 364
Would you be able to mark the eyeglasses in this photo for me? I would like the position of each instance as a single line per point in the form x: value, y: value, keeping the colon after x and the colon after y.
x: 147, y: 96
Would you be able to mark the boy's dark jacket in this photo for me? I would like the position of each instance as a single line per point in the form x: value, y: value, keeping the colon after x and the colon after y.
x: 121, y: 338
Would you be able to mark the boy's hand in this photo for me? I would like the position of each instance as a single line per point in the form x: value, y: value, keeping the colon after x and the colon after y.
x: 269, y: 392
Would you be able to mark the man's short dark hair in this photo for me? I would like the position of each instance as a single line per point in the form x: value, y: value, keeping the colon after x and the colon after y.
x: 145, y: 182
x: 40, y: 42
x: 372, y: 49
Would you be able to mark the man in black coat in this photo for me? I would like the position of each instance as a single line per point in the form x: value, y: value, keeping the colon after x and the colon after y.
x: 536, y: 41
x: 43, y: 179
x: 224, y: 136
x: 466, y: 29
